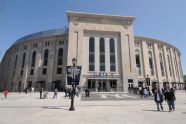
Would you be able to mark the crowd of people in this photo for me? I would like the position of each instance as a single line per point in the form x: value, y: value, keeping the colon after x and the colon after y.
x: 167, y: 94
x: 72, y: 91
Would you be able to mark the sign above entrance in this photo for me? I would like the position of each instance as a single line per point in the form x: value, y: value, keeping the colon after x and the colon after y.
x: 102, y: 75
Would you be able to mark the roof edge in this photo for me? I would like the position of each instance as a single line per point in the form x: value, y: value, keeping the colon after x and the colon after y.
x: 95, y: 15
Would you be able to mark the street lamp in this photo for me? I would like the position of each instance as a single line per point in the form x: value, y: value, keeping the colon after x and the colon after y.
x: 74, y: 60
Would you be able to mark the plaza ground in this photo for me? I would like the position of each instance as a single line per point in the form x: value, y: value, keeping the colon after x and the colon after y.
x: 29, y: 109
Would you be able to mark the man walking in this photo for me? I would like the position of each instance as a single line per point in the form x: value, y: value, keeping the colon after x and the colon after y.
x: 41, y: 91
x: 55, y: 93
x: 158, y: 98
x: 170, y: 98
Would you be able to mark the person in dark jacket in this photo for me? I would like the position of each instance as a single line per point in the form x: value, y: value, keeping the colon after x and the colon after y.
x: 170, y: 98
x: 41, y: 91
x: 55, y: 93
x: 158, y: 98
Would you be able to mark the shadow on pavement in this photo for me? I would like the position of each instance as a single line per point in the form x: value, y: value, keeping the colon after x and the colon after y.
x: 48, y: 107
x: 51, y: 107
x: 54, y: 107
x: 153, y: 110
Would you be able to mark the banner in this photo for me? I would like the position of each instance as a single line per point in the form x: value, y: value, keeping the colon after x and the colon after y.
x: 73, y: 75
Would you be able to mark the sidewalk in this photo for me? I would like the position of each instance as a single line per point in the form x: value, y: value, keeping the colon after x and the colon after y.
x: 29, y: 109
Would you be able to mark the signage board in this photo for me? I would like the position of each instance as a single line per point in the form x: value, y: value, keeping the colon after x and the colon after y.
x: 73, y: 75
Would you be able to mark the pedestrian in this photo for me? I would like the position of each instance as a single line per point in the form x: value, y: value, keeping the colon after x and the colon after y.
x: 19, y: 89
x: 41, y: 91
x: 141, y: 91
x: 32, y: 89
x: 170, y: 98
x: 158, y: 98
x: 55, y: 93
x: 5, y: 92
x: 76, y: 91
x: 66, y: 91
x: 69, y: 92
x: 26, y: 91
x: 145, y: 92
x: 163, y: 91
x: 88, y: 92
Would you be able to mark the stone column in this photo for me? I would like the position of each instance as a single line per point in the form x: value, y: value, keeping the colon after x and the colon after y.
x: 96, y: 85
x: 37, y: 65
x: 97, y: 63
x: 26, y: 67
x: 157, y: 63
x: 107, y: 55
x: 51, y: 61
x: 177, y: 66
x: 173, y: 64
x: 145, y: 58
x: 167, y: 71
x: 125, y: 63
x: 180, y: 69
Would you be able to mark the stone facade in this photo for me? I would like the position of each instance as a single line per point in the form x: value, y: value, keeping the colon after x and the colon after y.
x: 115, y: 61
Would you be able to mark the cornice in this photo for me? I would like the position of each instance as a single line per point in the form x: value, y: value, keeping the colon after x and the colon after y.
x: 148, y: 39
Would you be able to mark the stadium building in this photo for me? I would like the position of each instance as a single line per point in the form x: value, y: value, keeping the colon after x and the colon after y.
x: 111, y: 56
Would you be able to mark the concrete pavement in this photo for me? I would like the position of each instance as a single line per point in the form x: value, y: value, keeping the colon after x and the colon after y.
x: 29, y: 109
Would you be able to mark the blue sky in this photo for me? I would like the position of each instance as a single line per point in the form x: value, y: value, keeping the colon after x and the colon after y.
x: 160, y: 19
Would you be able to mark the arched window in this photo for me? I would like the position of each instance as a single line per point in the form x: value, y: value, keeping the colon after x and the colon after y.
x: 60, y: 56
x: 161, y: 64
x: 102, y: 54
x: 112, y: 55
x: 23, y: 60
x: 33, y: 58
x: 151, y: 63
x: 45, y: 62
x: 91, y: 54
x: 138, y: 63
x: 170, y: 70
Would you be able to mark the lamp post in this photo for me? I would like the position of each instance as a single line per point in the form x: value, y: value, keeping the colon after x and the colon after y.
x: 74, y: 60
